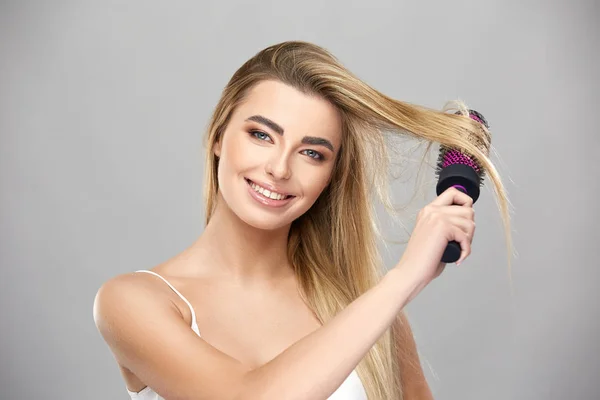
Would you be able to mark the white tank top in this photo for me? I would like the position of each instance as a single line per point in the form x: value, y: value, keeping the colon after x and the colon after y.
x: 351, y: 389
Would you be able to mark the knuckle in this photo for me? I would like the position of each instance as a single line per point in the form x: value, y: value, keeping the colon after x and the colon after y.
x: 436, y: 218
x: 432, y: 212
x: 468, y: 236
x: 467, y: 245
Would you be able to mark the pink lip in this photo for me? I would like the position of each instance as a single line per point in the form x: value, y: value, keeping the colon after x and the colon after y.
x: 269, y: 187
x: 267, y: 201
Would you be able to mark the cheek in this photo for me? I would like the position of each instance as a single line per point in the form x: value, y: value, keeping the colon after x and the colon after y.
x: 233, y: 155
x: 316, y: 185
x: 228, y: 164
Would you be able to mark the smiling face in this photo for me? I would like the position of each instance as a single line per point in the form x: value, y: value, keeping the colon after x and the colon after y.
x: 277, y: 154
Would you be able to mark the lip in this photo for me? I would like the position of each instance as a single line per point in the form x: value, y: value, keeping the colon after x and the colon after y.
x: 269, y: 187
x: 266, y: 200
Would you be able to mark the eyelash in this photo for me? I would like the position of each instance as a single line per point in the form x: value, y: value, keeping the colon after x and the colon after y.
x: 254, y: 134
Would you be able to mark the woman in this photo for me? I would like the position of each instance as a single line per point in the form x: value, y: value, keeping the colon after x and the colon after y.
x: 283, y: 296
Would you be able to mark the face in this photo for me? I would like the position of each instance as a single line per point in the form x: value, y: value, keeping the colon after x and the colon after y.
x: 277, y: 154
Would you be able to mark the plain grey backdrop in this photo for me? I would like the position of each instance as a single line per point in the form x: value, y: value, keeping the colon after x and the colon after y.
x: 103, y: 107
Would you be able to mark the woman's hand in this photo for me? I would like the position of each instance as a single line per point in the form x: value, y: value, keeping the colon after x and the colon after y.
x: 449, y: 217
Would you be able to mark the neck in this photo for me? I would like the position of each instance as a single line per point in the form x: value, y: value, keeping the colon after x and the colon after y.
x: 242, y: 253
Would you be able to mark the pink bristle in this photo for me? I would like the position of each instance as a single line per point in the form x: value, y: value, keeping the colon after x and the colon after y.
x: 451, y: 156
x: 456, y: 157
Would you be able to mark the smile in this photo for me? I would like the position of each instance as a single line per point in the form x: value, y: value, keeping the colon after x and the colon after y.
x: 266, y: 192
x: 266, y: 196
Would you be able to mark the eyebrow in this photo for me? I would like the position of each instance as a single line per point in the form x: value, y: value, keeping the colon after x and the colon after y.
x: 279, y: 130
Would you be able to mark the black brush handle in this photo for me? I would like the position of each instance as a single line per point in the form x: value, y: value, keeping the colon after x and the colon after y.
x: 452, y: 252
x: 453, y: 249
x: 465, y: 179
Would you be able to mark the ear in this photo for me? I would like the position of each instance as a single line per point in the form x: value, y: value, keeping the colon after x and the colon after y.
x: 217, y: 148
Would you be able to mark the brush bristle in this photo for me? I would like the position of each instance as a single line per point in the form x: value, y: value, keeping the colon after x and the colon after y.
x: 479, y: 118
x: 450, y: 156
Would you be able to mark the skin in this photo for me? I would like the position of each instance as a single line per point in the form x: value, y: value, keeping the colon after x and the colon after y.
x: 236, y: 274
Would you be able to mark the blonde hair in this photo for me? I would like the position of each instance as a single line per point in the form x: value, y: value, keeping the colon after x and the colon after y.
x: 333, y: 246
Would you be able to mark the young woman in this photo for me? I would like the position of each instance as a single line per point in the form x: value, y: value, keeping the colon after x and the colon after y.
x: 283, y: 296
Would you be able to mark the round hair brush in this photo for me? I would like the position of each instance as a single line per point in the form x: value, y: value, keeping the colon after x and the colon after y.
x: 462, y: 171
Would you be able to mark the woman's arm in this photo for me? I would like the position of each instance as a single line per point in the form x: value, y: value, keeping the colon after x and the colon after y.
x: 328, y: 355
x: 148, y: 336
x: 414, y: 384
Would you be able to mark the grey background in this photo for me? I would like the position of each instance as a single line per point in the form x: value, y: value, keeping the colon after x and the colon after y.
x: 103, y: 106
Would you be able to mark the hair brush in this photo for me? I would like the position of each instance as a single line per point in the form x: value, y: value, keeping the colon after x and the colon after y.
x: 462, y: 171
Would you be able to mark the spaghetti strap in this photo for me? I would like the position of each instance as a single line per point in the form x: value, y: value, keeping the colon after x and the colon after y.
x: 194, y: 323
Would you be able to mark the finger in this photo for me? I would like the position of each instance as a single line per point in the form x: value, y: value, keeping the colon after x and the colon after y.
x: 452, y: 196
x: 465, y: 244
x: 458, y: 211
x: 465, y: 225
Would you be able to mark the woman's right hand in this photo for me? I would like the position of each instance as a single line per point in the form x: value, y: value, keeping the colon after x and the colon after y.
x: 449, y: 217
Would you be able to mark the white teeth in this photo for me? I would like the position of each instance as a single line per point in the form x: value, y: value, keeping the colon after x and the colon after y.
x: 267, y: 193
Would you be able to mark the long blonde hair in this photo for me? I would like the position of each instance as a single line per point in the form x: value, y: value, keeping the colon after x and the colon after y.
x: 333, y: 246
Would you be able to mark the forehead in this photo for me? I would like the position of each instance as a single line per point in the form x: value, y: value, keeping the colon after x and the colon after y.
x: 296, y: 112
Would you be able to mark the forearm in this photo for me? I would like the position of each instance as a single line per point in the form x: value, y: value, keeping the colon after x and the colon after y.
x: 327, y: 356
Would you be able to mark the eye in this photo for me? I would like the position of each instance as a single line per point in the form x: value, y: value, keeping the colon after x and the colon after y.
x: 260, y: 135
x: 314, y: 154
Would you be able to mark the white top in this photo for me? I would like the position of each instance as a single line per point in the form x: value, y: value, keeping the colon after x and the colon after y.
x: 351, y: 389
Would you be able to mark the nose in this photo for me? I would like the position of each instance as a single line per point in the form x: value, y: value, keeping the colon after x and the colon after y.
x: 278, y: 166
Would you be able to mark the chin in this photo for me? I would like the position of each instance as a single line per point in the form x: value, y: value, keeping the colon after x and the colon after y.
x: 269, y: 220
x: 266, y: 224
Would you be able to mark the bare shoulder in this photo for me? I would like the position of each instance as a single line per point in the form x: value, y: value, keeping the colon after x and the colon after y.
x: 128, y: 297
x: 138, y: 318
x: 127, y: 284
x: 124, y: 286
